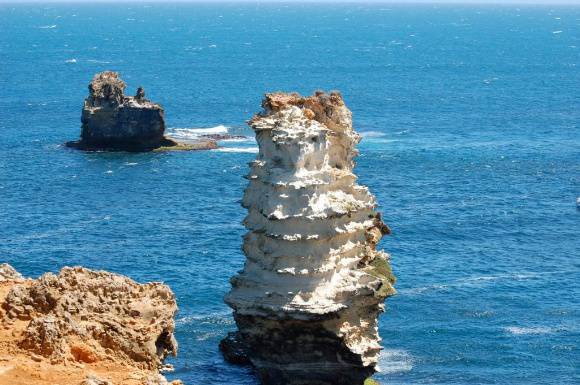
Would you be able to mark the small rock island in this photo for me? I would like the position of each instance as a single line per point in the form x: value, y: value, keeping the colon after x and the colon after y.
x: 307, y: 301
x: 112, y: 121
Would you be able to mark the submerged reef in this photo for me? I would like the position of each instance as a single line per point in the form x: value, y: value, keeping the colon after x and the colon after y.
x: 84, y: 327
x: 112, y: 121
x: 307, y: 301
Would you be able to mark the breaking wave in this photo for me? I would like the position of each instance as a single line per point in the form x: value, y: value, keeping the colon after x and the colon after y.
x: 194, y: 133
x: 98, y: 61
x: 251, y: 150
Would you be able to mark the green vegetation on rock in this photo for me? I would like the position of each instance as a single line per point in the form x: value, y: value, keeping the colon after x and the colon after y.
x: 381, y: 268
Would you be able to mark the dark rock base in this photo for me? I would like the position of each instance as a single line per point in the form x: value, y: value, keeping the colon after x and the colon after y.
x: 234, y: 349
x: 166, y: 144
x: 293, y: 352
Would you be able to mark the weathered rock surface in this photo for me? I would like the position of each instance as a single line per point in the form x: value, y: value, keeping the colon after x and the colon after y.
x: 112, y: 121
x: 307, y: 301
x: 91, y: 327
x: 8, y: 273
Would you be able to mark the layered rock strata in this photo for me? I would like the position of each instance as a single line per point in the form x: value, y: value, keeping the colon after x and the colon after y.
x: 112, y: 121
x: 307, y: 301
x: 84, y: 326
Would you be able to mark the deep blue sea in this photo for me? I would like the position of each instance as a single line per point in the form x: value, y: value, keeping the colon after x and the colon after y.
x: 470, y: 117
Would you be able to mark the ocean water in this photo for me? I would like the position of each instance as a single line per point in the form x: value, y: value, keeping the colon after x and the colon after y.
x: 470, y: 117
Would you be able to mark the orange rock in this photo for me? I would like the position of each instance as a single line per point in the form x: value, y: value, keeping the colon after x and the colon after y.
x: 82, y: 353
x: 309, y: 113
x: 71, y: 329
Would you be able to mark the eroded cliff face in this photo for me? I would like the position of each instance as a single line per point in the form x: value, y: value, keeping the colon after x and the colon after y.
x: 84, y: 326
x: 112, y: 121
x: 307, y: 301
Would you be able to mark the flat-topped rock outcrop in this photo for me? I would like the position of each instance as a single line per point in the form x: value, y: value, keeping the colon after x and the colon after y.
x: 307, y: 301
x: 112, y: 121
x: 84, y: 326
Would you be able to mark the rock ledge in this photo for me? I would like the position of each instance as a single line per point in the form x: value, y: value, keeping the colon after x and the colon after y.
x: 85, y: 327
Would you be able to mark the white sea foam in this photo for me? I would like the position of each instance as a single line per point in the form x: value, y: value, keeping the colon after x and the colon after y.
x: 73, y: 60
x: 209, y: 335
x: 47, y: 26
x: 99, y: 61
x: 490, y: 80
x: 223, y: 318
x: 193, y: 133
x: 394, y: 361
x: 557, y: 32
x: 516, y: 330
x: 251, y: 150
x: 241, y: 140
x: 372, y: 134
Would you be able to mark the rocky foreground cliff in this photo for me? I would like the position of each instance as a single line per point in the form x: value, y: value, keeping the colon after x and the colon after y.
x: 307, y: 301
x: 84, y: 327
x: 112, y: 121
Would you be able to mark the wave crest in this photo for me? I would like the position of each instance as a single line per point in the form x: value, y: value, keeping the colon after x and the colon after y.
x: 194, y: 133
x: 250, y: 150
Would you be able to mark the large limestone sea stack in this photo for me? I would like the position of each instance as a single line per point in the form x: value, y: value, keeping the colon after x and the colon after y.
x: 307, y: 301
x: 112, y: 121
